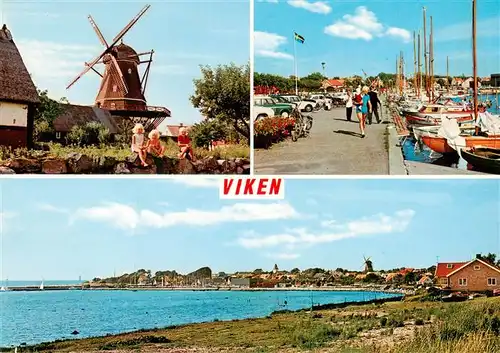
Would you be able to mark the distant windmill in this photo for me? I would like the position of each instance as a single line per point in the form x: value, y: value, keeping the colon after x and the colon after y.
x: 122, y: 88
x: 368, y: 264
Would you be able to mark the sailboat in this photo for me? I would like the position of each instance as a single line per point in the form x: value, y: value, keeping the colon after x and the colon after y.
x: 6, y: 287
x: 440, y: 144
x: 41, y: 285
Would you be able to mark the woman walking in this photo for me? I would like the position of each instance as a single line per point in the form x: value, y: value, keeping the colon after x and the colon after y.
x: 363, y: 107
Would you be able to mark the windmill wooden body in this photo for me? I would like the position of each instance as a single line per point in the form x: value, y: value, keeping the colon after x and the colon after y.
x: 122, y: 89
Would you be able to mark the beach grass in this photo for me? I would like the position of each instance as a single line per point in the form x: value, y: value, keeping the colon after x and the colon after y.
x: 393, y: 327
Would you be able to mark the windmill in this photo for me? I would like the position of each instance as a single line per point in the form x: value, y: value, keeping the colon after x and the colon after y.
x: 122, y: 89
x: 368, y: 264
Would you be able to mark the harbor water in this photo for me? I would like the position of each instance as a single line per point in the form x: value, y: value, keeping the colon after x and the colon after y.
x: 34, y: 317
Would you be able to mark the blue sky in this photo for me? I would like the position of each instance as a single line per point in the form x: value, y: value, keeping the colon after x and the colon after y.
x: 55, y: 38
x: 351, y: 36
x: 64, y: 228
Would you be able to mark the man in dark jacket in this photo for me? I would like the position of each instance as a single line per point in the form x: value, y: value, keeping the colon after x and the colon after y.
x: 375, y: 103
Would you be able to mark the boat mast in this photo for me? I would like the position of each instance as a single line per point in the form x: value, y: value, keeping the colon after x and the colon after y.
x: 419, y: 66
x: 447, y: 75
x: 474, y: 56
x: 431, y: 63
x: 425, y: 57
x: 414, y: 62
x: 396, y: 85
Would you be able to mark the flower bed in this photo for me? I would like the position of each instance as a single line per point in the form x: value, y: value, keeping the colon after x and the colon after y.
x: 272, y: 130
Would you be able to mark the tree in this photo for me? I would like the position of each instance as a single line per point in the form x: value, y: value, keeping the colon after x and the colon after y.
x: 295, y: 270
x: 205, y: 132
x: 223, y: 93
x: 490, y: 258
x: 45, y: 114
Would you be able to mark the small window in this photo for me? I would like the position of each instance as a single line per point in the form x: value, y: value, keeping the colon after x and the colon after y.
x: 462, y: 282
x: 13, y: 121
x: 449, y: 266
x: 492, y: 281
x: 58, y: 135
x: 129, y: 71
x: 477, y: 268
x: 113, y: 106
x: 115, y: 88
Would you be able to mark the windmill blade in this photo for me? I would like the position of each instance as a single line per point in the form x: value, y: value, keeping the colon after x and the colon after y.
x: 118, y: 73
x: 98, y: 32
x: 130, y: 24
x: 88, y: 67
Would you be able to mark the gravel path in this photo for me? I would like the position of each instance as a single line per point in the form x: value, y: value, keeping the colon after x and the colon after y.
x: 333, y: 147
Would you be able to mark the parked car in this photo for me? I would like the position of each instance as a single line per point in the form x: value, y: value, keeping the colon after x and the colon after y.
x: 262, y: 112
x: 322, y: 100
x: 280, y: 109
x: 303, y: 105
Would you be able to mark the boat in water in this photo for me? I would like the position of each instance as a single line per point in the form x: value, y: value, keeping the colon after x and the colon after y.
x: 483, y: 159
x: 440, y: 144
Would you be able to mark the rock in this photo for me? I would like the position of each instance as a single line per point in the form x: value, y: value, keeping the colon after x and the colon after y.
x: 246, y: 169
x: 239, y: 162
x: 136, y: 161
x: 166, y: 165
x: 6, y: 170
x: 79, y: 163
x: 223, y: 166
x: 25, y: 165
x: 151, y: 169
x: 186, y: 167
x: 239, y: 170
x: 105, y: 163
x: 207, y: 165
x: 54, y: 166
x: 232, y: 166
x: 121, y: 168
x: 75, y: 332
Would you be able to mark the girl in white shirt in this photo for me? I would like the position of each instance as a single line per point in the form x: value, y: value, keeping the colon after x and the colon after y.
x: 348, y: 105
x: 139, y: 145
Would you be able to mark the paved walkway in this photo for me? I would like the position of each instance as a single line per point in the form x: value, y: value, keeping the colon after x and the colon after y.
x: 333, y: 147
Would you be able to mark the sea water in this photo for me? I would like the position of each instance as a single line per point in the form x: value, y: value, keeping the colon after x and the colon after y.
x: 41, y: 316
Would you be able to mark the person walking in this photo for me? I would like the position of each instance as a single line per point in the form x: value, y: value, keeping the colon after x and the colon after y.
x: 375, y: 102
x: 363, y: 107
x: 348, y: 105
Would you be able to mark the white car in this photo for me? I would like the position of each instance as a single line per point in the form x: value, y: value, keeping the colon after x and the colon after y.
x: 304, y: 105
x: 261, y: 112
x: 323, y: 101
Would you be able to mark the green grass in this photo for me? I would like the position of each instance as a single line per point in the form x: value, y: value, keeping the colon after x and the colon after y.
x: 121, y: 152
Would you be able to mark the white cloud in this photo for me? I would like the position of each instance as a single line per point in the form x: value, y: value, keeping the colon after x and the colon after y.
x: 378, y: 224
x: 126, y: 217
x: 50, y: 208
x: 283, y: 256
x: 312, y: 6
x: 398, y: 33
x: 198, y: 182
x: 267, y: 45
x: 5, y: 218
x: 364, y: 25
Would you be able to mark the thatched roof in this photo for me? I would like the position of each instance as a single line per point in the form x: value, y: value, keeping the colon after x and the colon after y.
x: 81, y: 114
x: 15, y: 81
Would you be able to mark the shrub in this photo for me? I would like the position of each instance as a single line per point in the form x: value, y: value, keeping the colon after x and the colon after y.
x: 91, y: 133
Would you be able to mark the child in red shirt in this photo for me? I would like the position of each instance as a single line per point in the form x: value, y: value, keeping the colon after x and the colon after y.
x: 184, y: 143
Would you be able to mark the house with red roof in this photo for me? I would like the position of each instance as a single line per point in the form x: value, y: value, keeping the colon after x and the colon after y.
x: 332, y: 84
x: 475, y: 276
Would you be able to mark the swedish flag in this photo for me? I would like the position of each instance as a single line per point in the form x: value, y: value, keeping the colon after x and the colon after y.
x: 298, y: 37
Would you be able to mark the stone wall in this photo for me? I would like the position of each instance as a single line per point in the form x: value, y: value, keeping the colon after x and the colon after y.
x: 77, y: 163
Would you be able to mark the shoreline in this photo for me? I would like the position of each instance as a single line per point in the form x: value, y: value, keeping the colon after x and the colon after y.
x: 378, y: 289
x: 314, y: 308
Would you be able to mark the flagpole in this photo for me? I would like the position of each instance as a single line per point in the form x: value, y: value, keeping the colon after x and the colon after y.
x: 295, y: 63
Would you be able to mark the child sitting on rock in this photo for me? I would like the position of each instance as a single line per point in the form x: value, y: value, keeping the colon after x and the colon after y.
x: 184, y: 143
x: 138, y: 144
x: 154, y: 144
